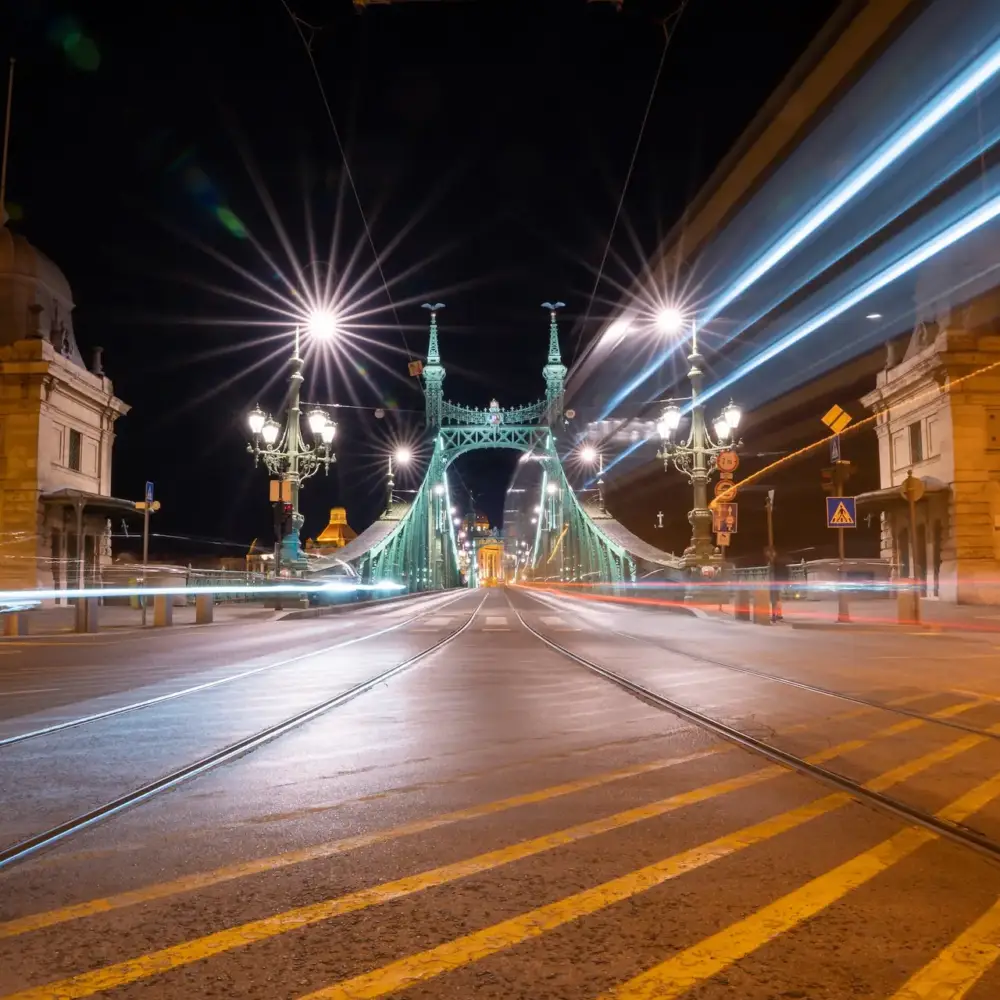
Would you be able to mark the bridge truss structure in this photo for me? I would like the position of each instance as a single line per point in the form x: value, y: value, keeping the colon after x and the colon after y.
x: 417, y: 544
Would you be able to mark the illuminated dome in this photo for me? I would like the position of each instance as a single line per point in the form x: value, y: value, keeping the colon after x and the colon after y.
x: 35, y: 298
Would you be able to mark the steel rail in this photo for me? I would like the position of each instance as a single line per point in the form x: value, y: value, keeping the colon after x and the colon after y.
x: 84, y: 720
x: 791, y: 682
x: 960, y: 834
x: 47, y: 838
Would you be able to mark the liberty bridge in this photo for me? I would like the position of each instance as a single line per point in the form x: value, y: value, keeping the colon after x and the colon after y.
x: 574, y: 540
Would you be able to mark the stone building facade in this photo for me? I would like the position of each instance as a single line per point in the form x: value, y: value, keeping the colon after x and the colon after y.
x: 938, y: 414
x: 57, y: 430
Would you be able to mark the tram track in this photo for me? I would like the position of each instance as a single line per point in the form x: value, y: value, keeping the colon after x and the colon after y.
x: 955, y: 832
x: 29, y: 846
x: 766, y: 675
x: 136, y: 706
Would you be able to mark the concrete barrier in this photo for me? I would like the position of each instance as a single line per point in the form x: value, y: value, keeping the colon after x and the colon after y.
x: 907, y: 606
x: 741, y: 605
x: 87, y: 615
x: 15, y: 623
x: 163, y: 610
x: 762, y: 606
x: 204, y: 609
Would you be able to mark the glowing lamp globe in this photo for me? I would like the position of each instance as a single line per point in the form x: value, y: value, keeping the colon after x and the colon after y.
x: 317, y: 421
x: 269, y: 432
x: 732, y: 415
x: 322, y: 324
x: 670, y: 320
x: 256, y: 419
x: 328, y: 433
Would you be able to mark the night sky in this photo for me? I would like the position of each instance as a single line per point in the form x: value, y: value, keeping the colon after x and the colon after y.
x: 489, y: 143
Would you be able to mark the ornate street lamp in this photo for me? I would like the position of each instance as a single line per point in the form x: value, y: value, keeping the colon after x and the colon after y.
x: 283, y: 448
x: 696, y: 455
x: 403, y: 456
x: 591, y: 456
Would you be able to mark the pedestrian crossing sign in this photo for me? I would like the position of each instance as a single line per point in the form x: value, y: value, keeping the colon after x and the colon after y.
x: 841, y: 512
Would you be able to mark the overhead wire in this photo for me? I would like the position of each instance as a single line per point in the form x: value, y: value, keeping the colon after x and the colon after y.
x: 669, y: 25
x: 307, y: 45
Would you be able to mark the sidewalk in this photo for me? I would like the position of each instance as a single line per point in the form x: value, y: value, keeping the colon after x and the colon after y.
x: 878, y: 614
x: 61, y: 620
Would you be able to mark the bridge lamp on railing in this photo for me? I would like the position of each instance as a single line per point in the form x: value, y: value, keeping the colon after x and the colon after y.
x: 401, y: 456
x: 591, y: 456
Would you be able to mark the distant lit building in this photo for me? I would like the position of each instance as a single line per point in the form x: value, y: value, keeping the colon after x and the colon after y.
x: 336, y: 534
x: 57, y: 431
x: 935, y: 419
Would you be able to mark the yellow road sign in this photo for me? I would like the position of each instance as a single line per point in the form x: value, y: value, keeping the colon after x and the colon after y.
x: 836, y: 419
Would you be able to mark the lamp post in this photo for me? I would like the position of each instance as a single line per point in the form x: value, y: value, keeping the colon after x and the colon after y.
x: 591, y: 455
x: 403, y: 457
x: 283, y: 449
x: 696, y: 456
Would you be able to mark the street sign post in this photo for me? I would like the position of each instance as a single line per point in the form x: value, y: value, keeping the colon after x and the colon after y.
x: 725, y: 489
x: 836, y: 418
x: 725, y: 518
x: 727, y: 461
x: 722, y: 539
x: 841, y: 512
x: 835, y: 449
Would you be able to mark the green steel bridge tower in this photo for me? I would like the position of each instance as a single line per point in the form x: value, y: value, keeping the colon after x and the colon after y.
x: 416, y: 544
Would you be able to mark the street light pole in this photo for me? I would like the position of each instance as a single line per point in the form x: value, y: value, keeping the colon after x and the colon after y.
x: 696, y: 457
x: 701, y: 549
x: 284, y: 450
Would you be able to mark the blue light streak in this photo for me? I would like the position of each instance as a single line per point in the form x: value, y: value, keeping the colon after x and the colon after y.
x: 952, y: 96
x: 16, y: 599
x: 968, y: 224
x: 959, y: 230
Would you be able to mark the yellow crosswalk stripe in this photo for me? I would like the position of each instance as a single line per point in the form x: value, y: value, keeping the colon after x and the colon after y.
x: 203, y: 880
x: 694, y: 965
x: 188, y: 952
x: 152, y: 963
x: 959, y: 966
x: 534, y: 923
x: 480, y: 944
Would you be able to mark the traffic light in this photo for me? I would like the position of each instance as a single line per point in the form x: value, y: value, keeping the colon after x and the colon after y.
x: 284, y: 520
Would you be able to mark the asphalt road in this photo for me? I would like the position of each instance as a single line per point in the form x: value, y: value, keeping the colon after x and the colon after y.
x: 498, y: 820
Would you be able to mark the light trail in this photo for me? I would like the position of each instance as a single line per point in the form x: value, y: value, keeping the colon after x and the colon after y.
x: 957, y: 231
x: 951, y: 97
x: 931, y: 393
x: 920, y: 255
x: 26, y: 597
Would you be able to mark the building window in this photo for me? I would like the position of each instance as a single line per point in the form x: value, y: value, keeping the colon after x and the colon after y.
x: 75, y: 443
x: 916, y: 443
x: 993, y: 427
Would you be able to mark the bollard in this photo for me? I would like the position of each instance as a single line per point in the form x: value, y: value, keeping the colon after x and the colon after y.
x: 204, y: 609
x: 762, y: 606
x: 86, y: 615
x: 15, y: 623
x: 908, y: 607
x: 741, y: 605
x: 163, y: 610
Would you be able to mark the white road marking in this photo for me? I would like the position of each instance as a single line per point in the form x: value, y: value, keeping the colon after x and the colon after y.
x: 4, y: 694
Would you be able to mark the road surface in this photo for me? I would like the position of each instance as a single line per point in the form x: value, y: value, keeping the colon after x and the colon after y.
x: 501, y: 794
